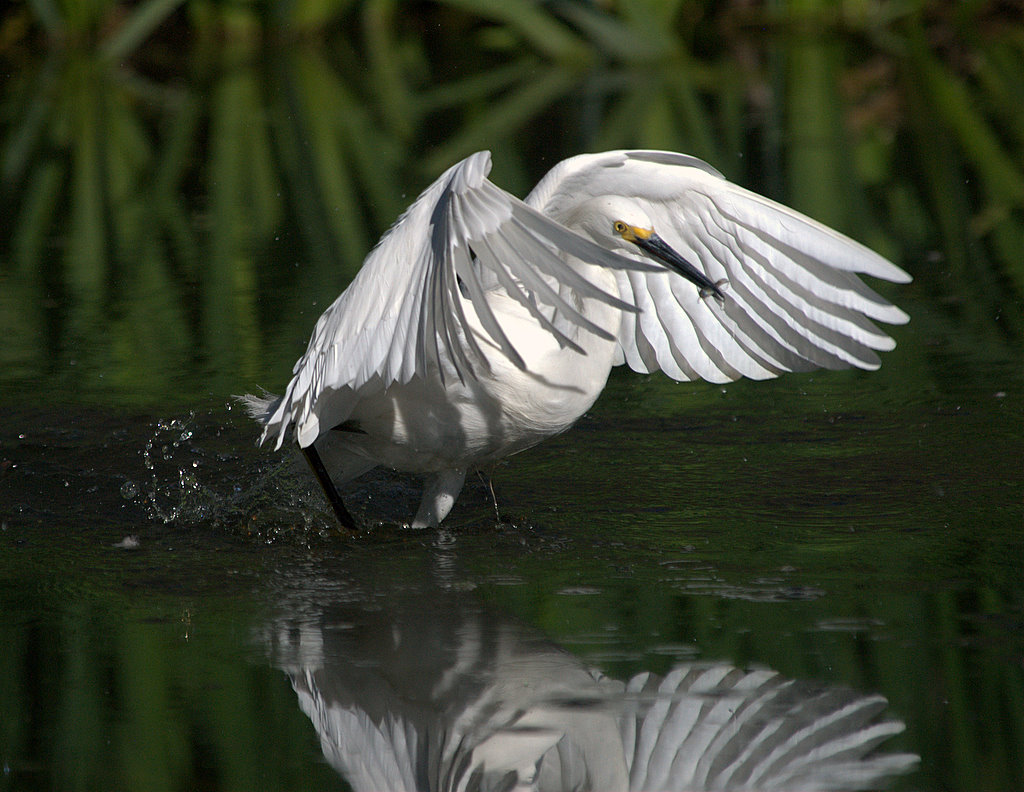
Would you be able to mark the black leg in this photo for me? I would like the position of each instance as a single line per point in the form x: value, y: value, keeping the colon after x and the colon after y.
x: 317, y: 465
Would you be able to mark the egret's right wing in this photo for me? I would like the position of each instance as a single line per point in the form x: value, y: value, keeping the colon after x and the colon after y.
x: 405, y: 311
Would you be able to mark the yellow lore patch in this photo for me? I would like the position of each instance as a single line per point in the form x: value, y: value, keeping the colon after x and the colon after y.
x: 631, y: 233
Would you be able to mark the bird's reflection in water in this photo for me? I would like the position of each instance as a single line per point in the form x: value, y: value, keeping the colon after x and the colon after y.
x: 429, y: 691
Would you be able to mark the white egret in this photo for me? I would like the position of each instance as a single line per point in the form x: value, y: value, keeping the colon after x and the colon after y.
x: 481, y: 324
x: 427, y: 690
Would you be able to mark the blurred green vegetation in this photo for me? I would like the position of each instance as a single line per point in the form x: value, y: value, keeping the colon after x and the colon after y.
x: 130, y: 680
x: 185, y: 184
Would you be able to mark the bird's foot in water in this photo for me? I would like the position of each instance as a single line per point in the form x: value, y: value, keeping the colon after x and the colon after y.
x: 439, y: 496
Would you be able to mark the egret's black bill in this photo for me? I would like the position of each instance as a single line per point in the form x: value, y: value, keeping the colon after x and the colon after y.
x: 659, y: 249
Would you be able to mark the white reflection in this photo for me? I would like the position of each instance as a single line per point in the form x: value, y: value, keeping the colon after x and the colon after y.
x: 433, y: 693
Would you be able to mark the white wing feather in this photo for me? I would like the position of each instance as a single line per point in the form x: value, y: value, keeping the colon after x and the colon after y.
x: 723, y: 728
x: 792, y: 300
x: 405, y: 311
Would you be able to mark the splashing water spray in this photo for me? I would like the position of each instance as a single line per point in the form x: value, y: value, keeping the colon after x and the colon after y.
x: 186, y: 500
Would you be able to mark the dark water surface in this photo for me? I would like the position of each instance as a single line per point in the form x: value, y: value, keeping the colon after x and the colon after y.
x: 838, y: 543
x: 725, y: 581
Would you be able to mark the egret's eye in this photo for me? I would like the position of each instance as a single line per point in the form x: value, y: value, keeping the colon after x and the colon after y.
x: 619, y: 227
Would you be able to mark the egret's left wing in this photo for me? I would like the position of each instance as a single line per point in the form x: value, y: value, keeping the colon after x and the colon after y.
x: 406, y: 310
x: 792, y: 298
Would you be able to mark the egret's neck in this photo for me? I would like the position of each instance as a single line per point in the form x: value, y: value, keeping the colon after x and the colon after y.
x: 555, y: 371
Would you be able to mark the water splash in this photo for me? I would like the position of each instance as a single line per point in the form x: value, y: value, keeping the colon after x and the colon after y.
x: 197, y: 472
x: 174, y: 493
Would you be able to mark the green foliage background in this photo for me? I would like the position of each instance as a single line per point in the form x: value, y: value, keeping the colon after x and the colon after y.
x: 184, y: 182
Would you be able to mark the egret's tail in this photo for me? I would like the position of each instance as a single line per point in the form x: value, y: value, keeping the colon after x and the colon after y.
x: 260, y: 408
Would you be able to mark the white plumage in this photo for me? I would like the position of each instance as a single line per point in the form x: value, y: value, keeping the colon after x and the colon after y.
x: 434, y: 695
x: 482, y: 324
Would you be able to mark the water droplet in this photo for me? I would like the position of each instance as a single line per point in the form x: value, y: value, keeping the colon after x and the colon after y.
x: 129, y: 490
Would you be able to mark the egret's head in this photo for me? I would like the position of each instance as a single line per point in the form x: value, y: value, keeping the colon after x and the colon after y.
x: 616, y: 222
x: 623, y: 224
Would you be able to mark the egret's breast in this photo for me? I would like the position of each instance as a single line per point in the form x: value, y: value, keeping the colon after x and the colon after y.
x: 559, y: 383
x: 435, y: 422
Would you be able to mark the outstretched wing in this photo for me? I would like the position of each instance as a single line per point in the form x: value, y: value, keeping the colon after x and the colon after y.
x: 792, y: 299
x: 406, y: 309
x: 719, y: 727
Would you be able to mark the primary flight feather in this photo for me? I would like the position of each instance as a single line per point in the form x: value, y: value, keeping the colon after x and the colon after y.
x: 481, y: 324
